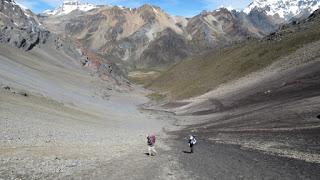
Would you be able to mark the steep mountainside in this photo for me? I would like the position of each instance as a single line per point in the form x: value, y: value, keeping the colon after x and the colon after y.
x: 203, y: 73
x: 223, y: 27
x: 149, y: 38
x: 19, y: 27
x: 121, y: 33
x: 128, y: 36
x: 60, y: 104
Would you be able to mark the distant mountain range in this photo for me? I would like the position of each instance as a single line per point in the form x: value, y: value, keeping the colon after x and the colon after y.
x: 286, y: 9
x: 149, y: 38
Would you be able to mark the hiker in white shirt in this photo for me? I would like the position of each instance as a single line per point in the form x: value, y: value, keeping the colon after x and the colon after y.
x: 192, y: 141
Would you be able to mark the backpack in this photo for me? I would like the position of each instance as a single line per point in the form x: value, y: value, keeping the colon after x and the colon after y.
x: 151, y: 140
x: 192, y: 140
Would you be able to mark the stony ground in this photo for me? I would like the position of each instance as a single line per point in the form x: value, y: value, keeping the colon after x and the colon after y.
x: 58, y: 121
x: 42, y: 139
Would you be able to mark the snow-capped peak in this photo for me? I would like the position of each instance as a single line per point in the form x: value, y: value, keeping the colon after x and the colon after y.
x: 69, y: 6
x: 286, y: 9
x: 229, y: 8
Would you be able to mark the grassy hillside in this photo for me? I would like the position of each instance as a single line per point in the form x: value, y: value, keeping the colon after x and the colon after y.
x: 203, y: 73
x: 143, y: 76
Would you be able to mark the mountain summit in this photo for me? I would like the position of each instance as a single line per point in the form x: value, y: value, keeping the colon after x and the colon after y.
x: 286, y: 9
x: 69, y: 6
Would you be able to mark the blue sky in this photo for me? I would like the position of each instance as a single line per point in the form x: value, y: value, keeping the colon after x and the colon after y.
x: 186, y: 8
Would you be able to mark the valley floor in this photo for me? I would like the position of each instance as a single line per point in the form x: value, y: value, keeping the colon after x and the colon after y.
x: 42, y: 139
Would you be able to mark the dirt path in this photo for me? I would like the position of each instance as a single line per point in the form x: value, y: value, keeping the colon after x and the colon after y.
x: 220, y: 161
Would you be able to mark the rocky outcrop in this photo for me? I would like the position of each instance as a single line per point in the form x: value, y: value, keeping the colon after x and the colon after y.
x: 222, y: 27
x: 315, y: 16
x: 312, y: 22
x: 169, y: 48
x: 19, y: 27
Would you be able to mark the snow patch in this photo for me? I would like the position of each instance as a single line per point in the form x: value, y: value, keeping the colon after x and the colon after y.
x: 229, y: 8
x: 69, y: 6
x: 286, y: 9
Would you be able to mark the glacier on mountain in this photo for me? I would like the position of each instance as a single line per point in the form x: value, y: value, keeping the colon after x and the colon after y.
x: 286, y: 9
x: 69, y: 6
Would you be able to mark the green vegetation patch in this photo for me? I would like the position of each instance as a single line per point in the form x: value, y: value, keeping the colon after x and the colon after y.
x: 203, y: 73
x: 155, y: 96
x: 143, y: 77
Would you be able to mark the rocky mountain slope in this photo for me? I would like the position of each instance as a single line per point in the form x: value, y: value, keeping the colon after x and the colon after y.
x: 222, y: 27
x: 204, y: 73
x: 148, y: 37
x: 125, y: 35
x: 60, y: 103
x: 261, y: 96
x: 19, y: 27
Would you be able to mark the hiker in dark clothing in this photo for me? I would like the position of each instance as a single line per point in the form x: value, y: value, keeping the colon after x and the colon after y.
x: 151, y: 140
x: 192, y: 141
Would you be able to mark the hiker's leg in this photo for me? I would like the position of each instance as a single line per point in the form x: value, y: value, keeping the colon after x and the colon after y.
x: 191, y: 148
x: 149, y: 150
x: 154, y: 150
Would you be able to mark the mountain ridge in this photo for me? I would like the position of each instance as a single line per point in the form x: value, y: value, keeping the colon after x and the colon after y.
x: 127, y: 35
x: 206, y: 72
x: 149, y: 38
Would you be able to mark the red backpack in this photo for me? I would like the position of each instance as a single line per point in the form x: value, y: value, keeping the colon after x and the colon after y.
x: 151, y: 140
